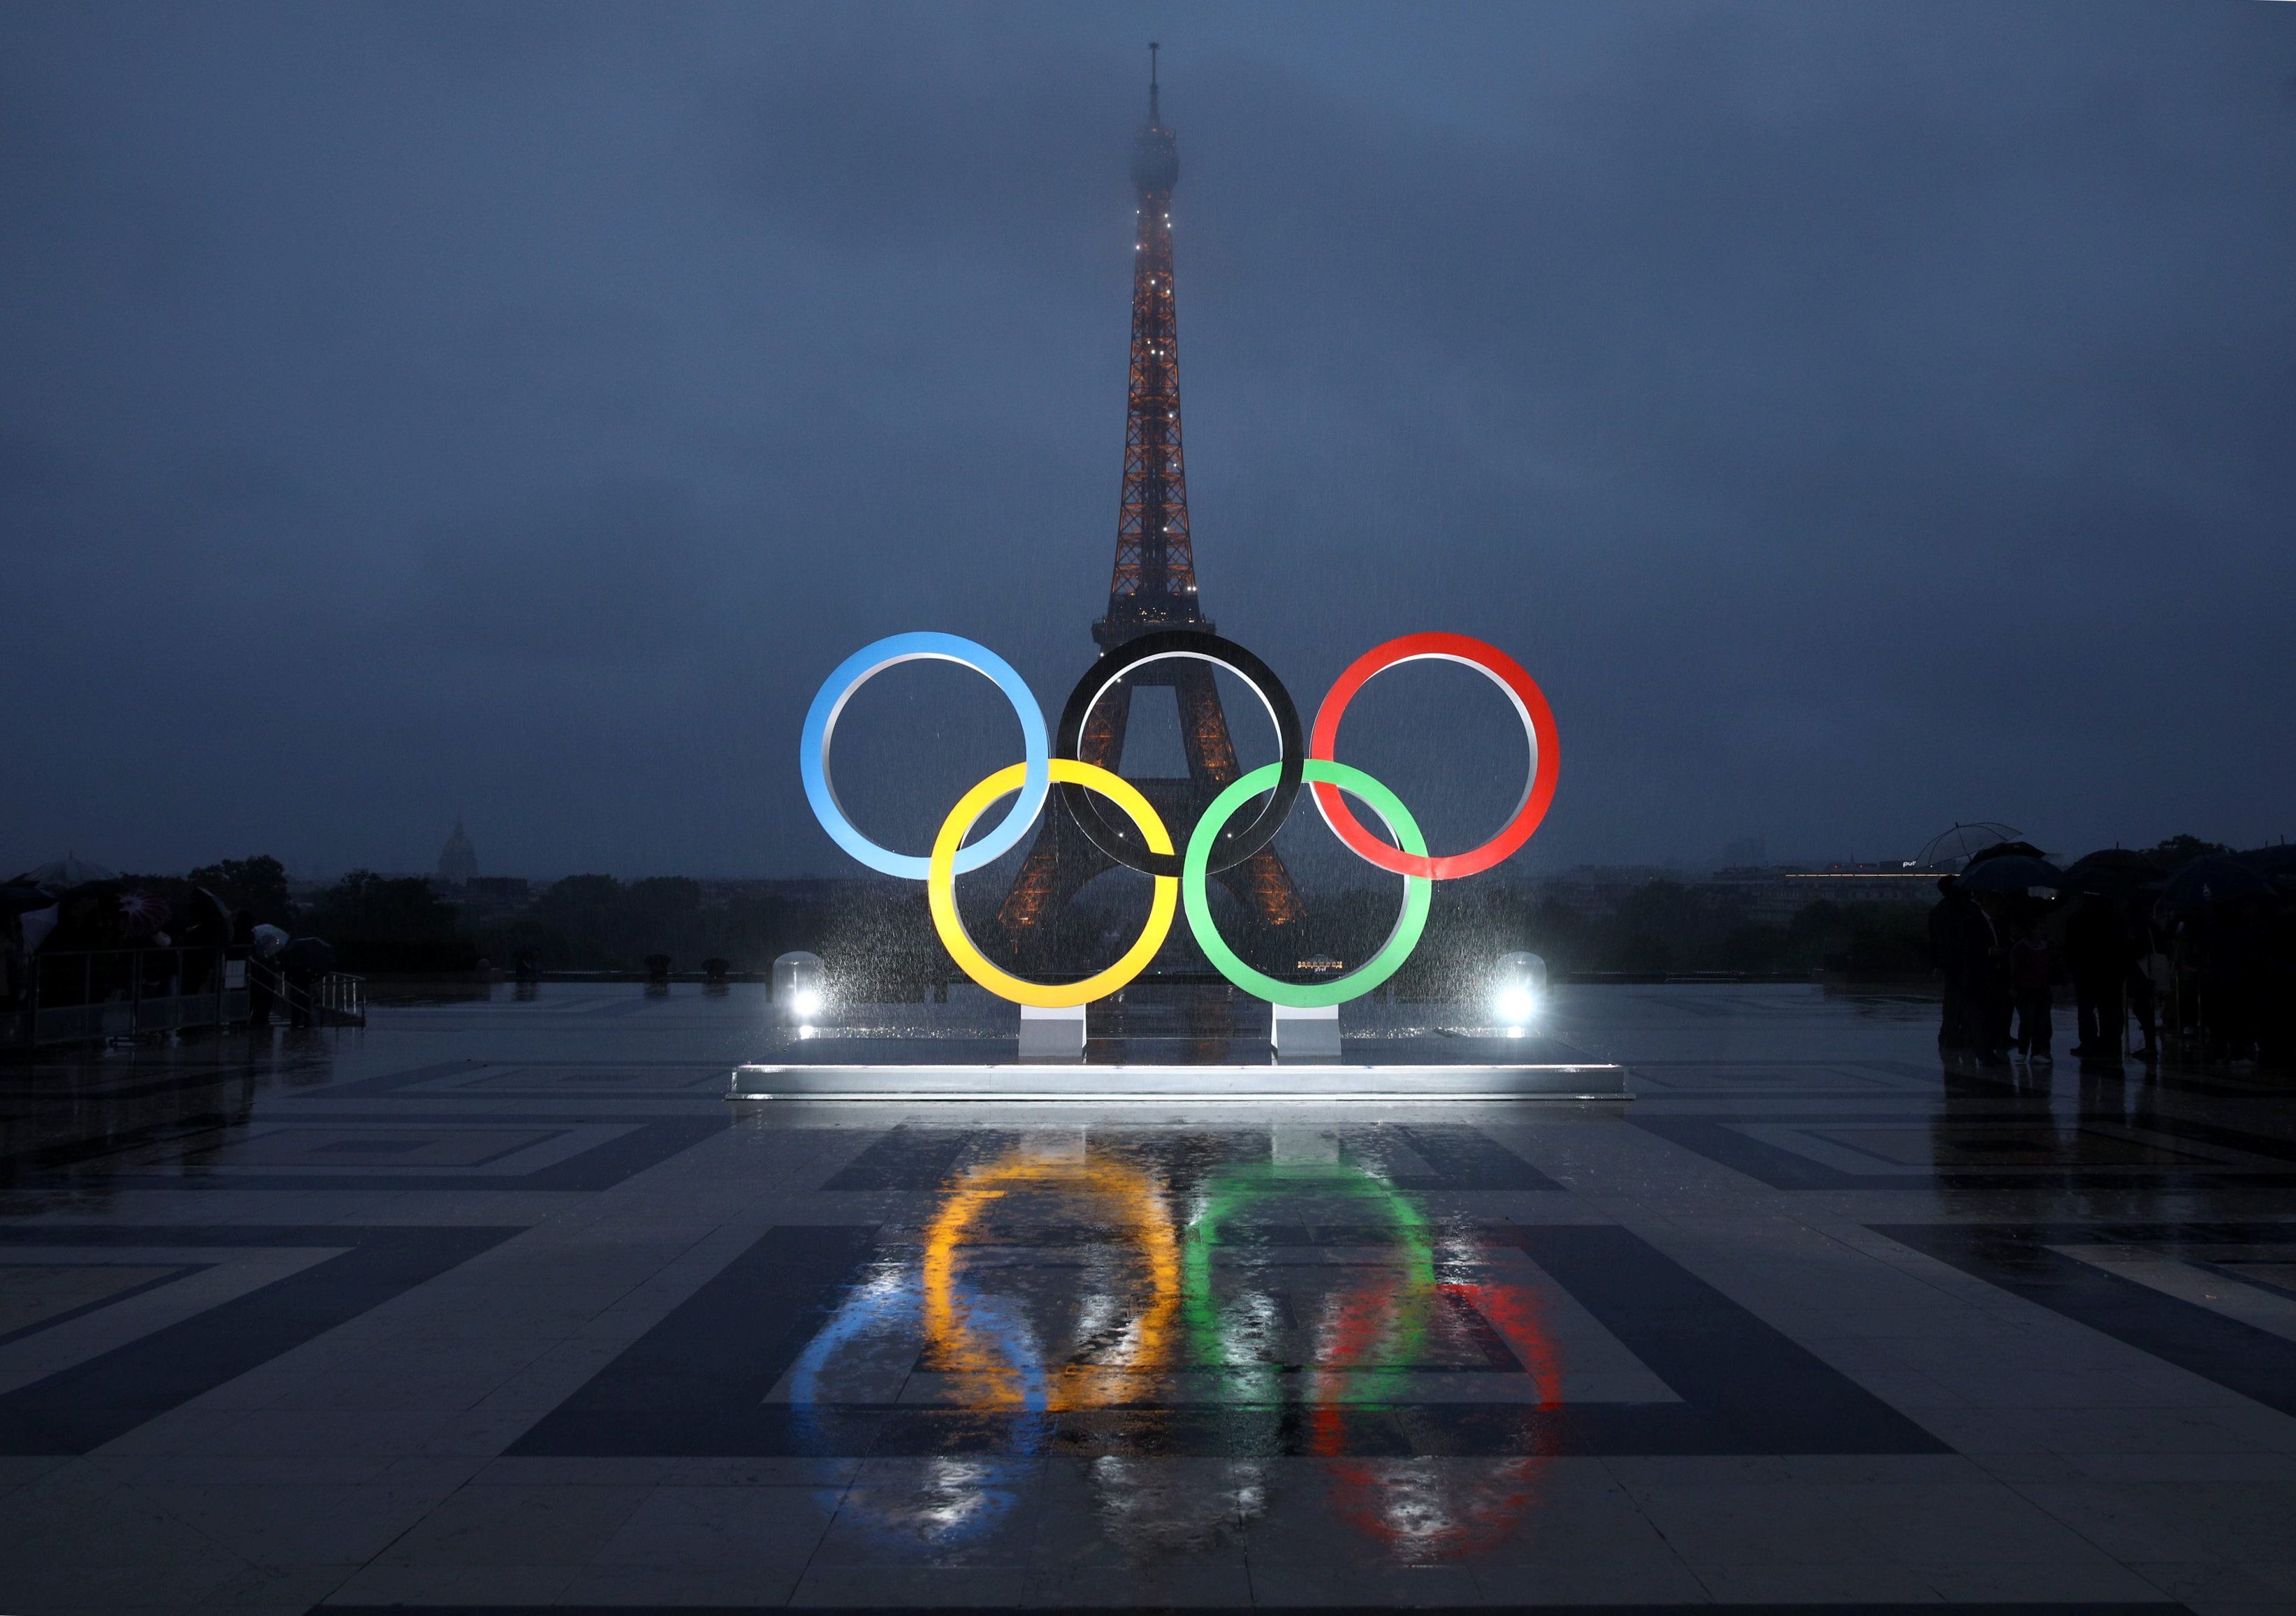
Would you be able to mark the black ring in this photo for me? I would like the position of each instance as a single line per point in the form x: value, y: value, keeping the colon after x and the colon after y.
x: 1121, y: 840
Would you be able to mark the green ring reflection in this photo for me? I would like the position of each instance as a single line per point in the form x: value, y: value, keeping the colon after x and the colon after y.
x: 1234, y: 1189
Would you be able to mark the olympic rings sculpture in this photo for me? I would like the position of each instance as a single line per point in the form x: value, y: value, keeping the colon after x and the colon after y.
x: 1141, y: 841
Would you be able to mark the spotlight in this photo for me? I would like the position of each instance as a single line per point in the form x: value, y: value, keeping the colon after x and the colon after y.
x: 801, y: 990
x: 1517, y: 985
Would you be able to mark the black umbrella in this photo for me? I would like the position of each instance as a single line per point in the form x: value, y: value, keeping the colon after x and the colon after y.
x: 2279, y: 859
x: 314, y: 955
x: 24, y: 893
x: 2112, y: 872
x: 2010, y: 872
x: 2003, y: 850
x: 2215, y: 878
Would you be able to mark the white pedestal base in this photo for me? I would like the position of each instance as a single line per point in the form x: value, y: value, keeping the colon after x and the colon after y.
x: 1099, y: 1085
x: 1052, y: 1034
x: 1304, y: 1035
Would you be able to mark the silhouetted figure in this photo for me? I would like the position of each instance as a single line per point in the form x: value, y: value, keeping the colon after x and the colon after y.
x: 2028, y: 975
x: 2142, y: 992
x: 2276, y: 1020
x: 1985, y: 957
x: 258, y: 974
x: 301, y: 963
x: 2097, y: 954
x: 1948, y: 933
x: 2236, y: 937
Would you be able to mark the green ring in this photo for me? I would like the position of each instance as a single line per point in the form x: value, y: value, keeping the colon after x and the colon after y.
x: 1417, y: 890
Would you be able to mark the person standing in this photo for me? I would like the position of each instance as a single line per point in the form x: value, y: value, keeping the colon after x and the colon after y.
x: 1985, y: 971
x: 2096, y: 950
x: 1948, y: 929
x: 2028, y: 978
x: 2145, y: 974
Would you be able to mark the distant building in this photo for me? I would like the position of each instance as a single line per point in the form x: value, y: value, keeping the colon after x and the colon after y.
x: 1777, y: 893
x: 458, y: 860
x: 1770, y: 894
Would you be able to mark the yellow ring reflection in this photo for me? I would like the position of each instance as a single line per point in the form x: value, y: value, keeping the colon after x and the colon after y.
x: 1139, y: 1202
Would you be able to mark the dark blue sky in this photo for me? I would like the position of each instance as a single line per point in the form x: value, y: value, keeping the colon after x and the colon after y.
x: 1859, y: 417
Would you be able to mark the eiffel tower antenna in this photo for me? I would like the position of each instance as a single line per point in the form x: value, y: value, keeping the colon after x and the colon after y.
x: 1151, y: 586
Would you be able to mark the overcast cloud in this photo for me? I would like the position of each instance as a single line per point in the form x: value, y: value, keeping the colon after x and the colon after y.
x: 1858, y: 416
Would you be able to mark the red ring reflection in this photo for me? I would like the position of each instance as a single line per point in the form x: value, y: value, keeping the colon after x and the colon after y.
x: 1417, y: 1505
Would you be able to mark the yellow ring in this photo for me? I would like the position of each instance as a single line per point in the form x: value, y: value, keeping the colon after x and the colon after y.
x: 941, y: 887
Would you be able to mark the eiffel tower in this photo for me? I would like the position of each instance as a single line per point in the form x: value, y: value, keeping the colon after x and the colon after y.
x: 1153, y: 587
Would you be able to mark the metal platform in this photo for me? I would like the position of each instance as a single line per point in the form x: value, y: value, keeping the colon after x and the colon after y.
x: 1088, y: 1083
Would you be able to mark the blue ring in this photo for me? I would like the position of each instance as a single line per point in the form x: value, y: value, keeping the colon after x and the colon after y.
x: 821, y: 724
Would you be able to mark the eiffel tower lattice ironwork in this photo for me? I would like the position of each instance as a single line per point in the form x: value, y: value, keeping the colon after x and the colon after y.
x: 1153, y: 588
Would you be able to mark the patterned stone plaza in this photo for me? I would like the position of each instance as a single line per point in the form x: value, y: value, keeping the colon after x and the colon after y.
x: 503, y: 1305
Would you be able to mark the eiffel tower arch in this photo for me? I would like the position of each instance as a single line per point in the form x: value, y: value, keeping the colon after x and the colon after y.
x: 1152, y: 586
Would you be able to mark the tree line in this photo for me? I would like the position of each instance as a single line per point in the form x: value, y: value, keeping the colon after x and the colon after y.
x: 880, y: 939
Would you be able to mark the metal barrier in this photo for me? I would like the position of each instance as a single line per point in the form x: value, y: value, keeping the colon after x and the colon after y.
x: 98, y: 995
x: 120, y: 993
x: 333, y: 998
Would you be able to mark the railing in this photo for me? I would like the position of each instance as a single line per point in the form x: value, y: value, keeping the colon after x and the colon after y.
x: 121, y: 993
x: 98, y: 995
x: 332, y: 998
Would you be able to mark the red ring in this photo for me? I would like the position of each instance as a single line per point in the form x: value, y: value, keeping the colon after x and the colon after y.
x: 1537, y: 722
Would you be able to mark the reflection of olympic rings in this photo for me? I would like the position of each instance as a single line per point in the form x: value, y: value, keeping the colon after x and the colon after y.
x: 1368, y: 1341
x: 1212, y: 845
x: 1233, y: 847
x: 949, y: 1318
x: 1336, y: 1397
x: 895, y: 1305
x: 1231, y: 1191
x: 979, y: 1490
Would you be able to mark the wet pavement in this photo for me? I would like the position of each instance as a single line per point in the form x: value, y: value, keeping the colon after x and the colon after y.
x: 501, y: 1305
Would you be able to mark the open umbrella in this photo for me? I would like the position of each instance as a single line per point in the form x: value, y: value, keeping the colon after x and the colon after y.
x: 32, y: 909
x: 2004, y: 850
x: 2212, y: 878
x: 315, y: 955
x: 1950, y: 850
x: 2279, y: 859
x: 34, y: 925
x: 2010, y: 873
x: 143, y: 913
x: 24, y: 893
x: 2112, y: 872
x: 70, y: 871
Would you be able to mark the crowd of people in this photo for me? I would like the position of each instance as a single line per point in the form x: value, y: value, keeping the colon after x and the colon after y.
x: 2217, y: 975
